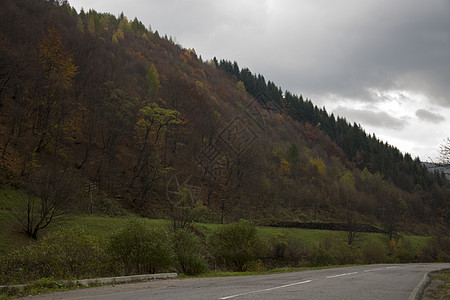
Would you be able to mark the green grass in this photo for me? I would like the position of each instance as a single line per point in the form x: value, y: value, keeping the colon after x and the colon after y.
x: 103, y: 225
x: 11, y: 204
x: 265, y: 272
x: 13, y: 201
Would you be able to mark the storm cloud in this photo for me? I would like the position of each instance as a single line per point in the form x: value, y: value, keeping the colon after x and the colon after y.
x: 318, y: 48
x: 429, y: 116
x: 378, y: 119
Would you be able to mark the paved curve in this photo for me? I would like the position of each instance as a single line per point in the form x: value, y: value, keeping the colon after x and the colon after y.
x: 361, y: 282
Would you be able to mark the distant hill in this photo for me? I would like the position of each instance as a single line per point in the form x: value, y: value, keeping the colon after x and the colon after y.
x: 435, y: 167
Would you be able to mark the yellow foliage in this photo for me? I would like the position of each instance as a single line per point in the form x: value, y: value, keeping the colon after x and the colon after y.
x: 393, y: 246
x: 80, y: 25
x: 366, y: 175
x: 183, y: 58
x: 56, y: 61
x: 285, y: 167
x: 125, y: 26
x: 200, y: 84
x: 319, y: 164
x: 308, y: 152
x: 188, y: 53
x: 117, y: 35
x: 91, y: 25
x: 240, y: 87
x: 348, y: 179
x: 278, y: 152
x: 153, y: 114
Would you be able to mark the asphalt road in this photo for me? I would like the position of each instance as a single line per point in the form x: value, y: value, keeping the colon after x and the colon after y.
x: 399, y: 281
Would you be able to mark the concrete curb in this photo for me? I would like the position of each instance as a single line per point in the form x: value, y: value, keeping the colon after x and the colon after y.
x: 88, y: 282
x: 420, y: 287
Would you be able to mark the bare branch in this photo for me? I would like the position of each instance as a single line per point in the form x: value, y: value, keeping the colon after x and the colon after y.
x: 444, y: 151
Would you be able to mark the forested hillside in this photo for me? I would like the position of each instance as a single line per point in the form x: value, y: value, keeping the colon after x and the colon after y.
x: 97, y: 109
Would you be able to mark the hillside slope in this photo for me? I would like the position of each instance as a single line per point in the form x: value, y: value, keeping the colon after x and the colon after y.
x: 96, y: 107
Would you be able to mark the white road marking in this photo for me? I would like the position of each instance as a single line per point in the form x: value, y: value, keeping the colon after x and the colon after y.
x: 266, y: 290
x: 340, y: 275
x: 301, y: 282
x: 371, y: 270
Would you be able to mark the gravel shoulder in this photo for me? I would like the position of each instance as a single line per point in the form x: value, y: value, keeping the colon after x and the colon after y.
x: 439, y: 286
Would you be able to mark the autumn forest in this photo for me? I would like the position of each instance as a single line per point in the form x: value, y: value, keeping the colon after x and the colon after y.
x: 101, y: 114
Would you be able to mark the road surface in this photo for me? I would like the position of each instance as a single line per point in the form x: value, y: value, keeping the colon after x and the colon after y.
x: 399, y: 281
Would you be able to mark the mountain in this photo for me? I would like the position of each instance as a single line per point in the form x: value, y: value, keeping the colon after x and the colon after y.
x: 435, y: 167
x: 97, y: 111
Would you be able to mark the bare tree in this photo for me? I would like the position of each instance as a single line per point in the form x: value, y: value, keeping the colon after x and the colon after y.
x: 47, y: 197
x: 351, y: 227
x: 444, y: 151
x: 183, y: 199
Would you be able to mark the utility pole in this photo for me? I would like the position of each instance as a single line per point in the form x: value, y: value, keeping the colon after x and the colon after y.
x: 90, y: 187
x: 222, y: 207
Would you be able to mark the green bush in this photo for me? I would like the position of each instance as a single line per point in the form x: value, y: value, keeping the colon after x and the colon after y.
x: 65, y: 254
x: 374, y: 252
x: 321, y: 257
x: 189, y: 254
x: 137, y: 248
x: 296, y: 248
x: 235, y: 245
x: 436, y: 250
x: 283, y: 245
x: 279, y: 245
x: 406, y: 252
x: 443, y: 257
x: 430, y: 251
x: 346, y: 254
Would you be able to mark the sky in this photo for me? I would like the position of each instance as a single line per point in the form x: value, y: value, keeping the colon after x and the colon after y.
x: 380, y: 63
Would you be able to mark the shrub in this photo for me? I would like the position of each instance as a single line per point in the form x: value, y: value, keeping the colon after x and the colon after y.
x: 296, y: 248
x: 430, y: 251
x: 235, y: 245
x: 139, y: 249
x: 65, y: 254
x: 279, y: 245
x: 189, y: 255
x: 256, y: 266
x: 406, y: 252
x: 374, y: 252
x: 347, y: 254
x: 443, y: 257
x: 437, y: 249
x: 321, y: 257
x: 282, y: 245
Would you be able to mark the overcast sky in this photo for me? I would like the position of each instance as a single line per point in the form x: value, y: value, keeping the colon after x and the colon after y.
x: 380, y: 63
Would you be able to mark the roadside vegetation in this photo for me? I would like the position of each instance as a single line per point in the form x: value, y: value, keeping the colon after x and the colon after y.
x: 138, y: 245
x: 91, y: 246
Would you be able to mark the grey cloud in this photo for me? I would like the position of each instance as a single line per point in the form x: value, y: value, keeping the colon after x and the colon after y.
x: 375, y: 118
x: 429, y: 116
x: 383, y: 45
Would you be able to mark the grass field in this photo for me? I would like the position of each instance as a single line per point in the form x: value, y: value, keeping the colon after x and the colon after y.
x: 12, y: 202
